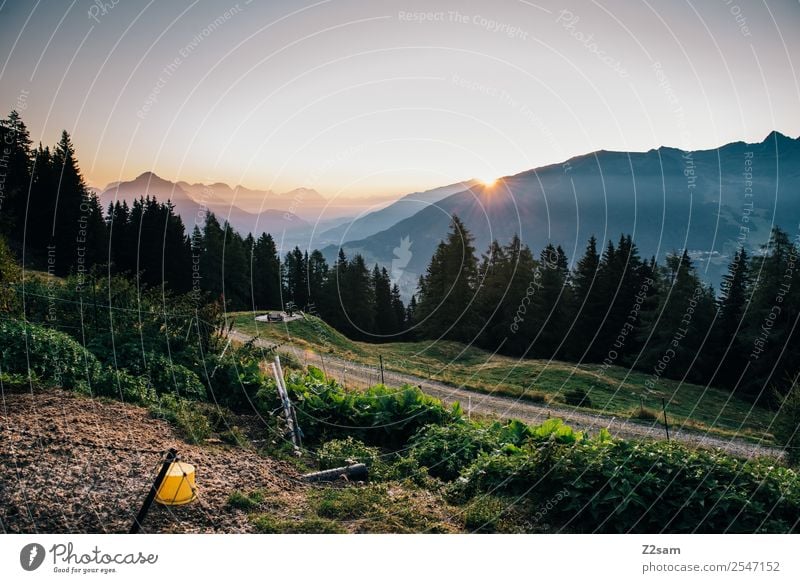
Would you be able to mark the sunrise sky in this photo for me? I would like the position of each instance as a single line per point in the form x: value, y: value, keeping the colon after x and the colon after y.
x: 374, y: 97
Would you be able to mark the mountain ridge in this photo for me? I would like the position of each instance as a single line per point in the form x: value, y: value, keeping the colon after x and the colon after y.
x: 666, y: 198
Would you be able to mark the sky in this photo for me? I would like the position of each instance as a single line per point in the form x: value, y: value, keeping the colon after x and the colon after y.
x: 374, y: 97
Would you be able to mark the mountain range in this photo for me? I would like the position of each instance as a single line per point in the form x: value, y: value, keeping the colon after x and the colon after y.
x: 705, y: 201
x: 668, y: 199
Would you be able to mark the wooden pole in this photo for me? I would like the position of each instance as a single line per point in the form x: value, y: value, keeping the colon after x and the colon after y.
x: 664, y: 409
x: 287, y: 404
x: 354, y: 471
x: 172, y: 455
x: 382, y: 381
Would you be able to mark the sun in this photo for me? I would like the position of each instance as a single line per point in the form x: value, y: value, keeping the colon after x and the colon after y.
x: 488, y: 181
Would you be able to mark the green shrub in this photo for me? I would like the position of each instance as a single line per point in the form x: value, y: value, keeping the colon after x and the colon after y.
x: 187, y: 416
x: 445, y: 450
x: 51, y: 357
x: 124, y: 386
x: 237, y: 377
x: 168, y: 376
x: 623, y: 486
x: 341, y: 452
x: 377, y: 416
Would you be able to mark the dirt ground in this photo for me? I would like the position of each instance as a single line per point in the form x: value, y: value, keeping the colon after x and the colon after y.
x: 71, y: 464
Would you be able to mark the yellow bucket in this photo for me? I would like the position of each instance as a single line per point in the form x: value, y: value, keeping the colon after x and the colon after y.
x: 178, y: 485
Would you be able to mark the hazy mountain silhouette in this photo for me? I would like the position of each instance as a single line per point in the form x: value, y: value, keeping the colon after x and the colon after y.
x: 190, y: 202
x: 666, y: 198
x: 379, y: 220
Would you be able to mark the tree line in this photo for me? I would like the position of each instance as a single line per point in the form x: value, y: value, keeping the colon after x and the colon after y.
x: 616, y: 308
x: 53, y: 222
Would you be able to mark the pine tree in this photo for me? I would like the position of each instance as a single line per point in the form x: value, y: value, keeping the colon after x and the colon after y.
x: 17, y: 166
x: 550, y: 304
x: 679, y: 325
x: 399, y: 310
x: 589, y: 303
x: 447, y: 288
x: 411, y: 317
x: 266, y: 274
x: 731, y: 354
x: 76, y: 214
x: 317, y: 274
x: 386, y: 318
x: 295, y: 267
x: 235, y: 270
x: 358, y: 298
x: 331, y: 307
x: 770, y: 336
x: 211, y: 256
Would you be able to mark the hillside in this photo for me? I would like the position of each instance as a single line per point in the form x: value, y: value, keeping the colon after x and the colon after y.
x: 613, y: 391
x: 72, y: 464
x: 667, y: 199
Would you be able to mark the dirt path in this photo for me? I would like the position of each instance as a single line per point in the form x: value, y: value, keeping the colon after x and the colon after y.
x: 73, y: 464
x: 508, y: 407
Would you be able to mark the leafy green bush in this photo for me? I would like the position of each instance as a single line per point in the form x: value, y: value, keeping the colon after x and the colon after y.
x: 377, y: 416
x: 622, y: 486
x: 340, y: 452
x: 236, y: 377
x: 167, y: 376
x: 46, y: 355
x: 124, y: 386
x: 186, y: 415
x: 447, y: 449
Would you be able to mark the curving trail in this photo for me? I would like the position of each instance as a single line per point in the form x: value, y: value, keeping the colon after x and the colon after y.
x: 508, y: 407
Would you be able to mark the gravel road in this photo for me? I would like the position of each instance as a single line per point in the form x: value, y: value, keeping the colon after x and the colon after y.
x: 514, y: 408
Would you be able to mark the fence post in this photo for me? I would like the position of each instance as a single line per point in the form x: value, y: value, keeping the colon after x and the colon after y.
x: 172, y: 455
x: 288, y: 410
x: 664, y: 409
x: 382, y: 381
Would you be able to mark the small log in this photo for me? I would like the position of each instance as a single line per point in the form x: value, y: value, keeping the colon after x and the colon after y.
x: 356, y: 472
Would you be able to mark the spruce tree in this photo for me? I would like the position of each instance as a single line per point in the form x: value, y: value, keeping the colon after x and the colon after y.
x: 266, y: 274
x: 446, y: 290
x: 731, y: 354
x: 18, y: 157
x: 385, y: 315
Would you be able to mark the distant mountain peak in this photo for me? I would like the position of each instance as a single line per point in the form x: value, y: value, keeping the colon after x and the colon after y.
x: 776, y: 136
x: 148, y: 176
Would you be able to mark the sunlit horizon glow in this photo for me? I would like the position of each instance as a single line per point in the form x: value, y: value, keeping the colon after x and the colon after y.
x: 368, y: 99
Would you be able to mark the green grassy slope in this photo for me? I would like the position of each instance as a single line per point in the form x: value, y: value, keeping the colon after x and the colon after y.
x: 612, y: 390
